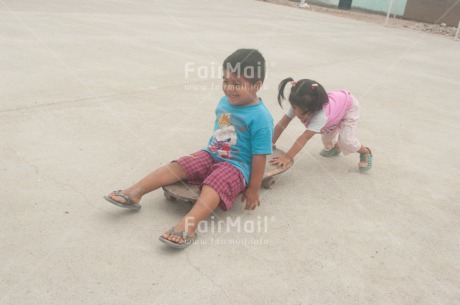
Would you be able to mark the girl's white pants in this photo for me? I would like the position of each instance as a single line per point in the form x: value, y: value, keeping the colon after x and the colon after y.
x: 344, y: 134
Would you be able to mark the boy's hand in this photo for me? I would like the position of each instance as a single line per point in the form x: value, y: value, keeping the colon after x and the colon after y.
x: 282, y: 160
x: 273, y: 145
x: 251, y: 196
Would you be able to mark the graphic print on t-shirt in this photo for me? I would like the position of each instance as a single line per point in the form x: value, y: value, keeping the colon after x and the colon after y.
x: 224, y: 137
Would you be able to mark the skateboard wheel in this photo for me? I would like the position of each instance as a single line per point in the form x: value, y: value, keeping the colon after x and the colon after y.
x: 169, y: 197
x: 269, y: 183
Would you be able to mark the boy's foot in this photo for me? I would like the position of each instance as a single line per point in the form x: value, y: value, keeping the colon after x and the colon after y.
x: 330, y: 153
x: 177, y: 239
x: 365, y: 161
x: 122, y: 200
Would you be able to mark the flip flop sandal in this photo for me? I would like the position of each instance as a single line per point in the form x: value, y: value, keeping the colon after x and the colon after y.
x: 188, y: 240
x: 363, y: 167
x: 129, y: 204
x: 330, y: 153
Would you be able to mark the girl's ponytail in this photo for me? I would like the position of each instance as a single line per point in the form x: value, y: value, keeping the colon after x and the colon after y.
x: 281, y: 87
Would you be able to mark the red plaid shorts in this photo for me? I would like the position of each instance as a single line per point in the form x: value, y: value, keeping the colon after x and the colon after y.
x: 201, y: 168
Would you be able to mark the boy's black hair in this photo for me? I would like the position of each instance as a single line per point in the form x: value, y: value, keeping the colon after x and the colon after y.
x: 247, y: 63
x: 306, y: 94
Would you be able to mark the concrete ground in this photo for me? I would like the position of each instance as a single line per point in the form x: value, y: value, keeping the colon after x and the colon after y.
x: 95, y: 94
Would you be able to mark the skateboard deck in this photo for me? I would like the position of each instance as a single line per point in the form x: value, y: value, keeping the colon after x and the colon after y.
x: 186, y: 192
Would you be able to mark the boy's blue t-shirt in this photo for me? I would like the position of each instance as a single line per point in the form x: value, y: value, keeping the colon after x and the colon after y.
x: 239, y: 133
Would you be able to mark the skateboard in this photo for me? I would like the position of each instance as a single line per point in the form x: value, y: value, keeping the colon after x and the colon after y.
x: 186, y: 192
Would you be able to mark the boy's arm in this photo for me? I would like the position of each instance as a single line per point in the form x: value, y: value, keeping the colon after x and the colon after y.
x: 280, y: 127
x: 251, y: 194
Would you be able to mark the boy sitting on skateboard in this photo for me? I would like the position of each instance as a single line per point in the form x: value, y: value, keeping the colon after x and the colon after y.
x: 232, y: 163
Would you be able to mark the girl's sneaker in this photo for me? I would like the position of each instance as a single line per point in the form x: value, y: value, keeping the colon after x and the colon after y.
x: 365, y: 161
x: 330, y: 153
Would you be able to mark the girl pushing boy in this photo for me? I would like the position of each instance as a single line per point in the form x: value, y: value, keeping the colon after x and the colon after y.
x: 234, y: 160
x: 333, y: 115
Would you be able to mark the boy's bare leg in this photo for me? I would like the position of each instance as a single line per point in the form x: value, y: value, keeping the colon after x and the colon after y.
x: 164, y: 175
x: 206, y: 203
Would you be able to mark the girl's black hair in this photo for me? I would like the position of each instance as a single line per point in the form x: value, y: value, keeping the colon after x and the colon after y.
x: 306, y: 94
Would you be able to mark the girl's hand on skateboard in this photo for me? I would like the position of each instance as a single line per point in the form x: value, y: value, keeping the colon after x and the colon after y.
x: 282, y: 160
x: 251, y: 196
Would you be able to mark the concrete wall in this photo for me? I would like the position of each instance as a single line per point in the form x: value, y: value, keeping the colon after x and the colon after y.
x: 326, y: 2
x: 380, y: 6
x: 433, y: 11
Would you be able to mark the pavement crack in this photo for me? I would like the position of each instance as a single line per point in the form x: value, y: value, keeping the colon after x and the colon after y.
x: 206, y: 275
x: 52, y: 179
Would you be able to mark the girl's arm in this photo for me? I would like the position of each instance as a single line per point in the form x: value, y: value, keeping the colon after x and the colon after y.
x: 300, y: 143
x: 296, y: 147
x: 280, y: 127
